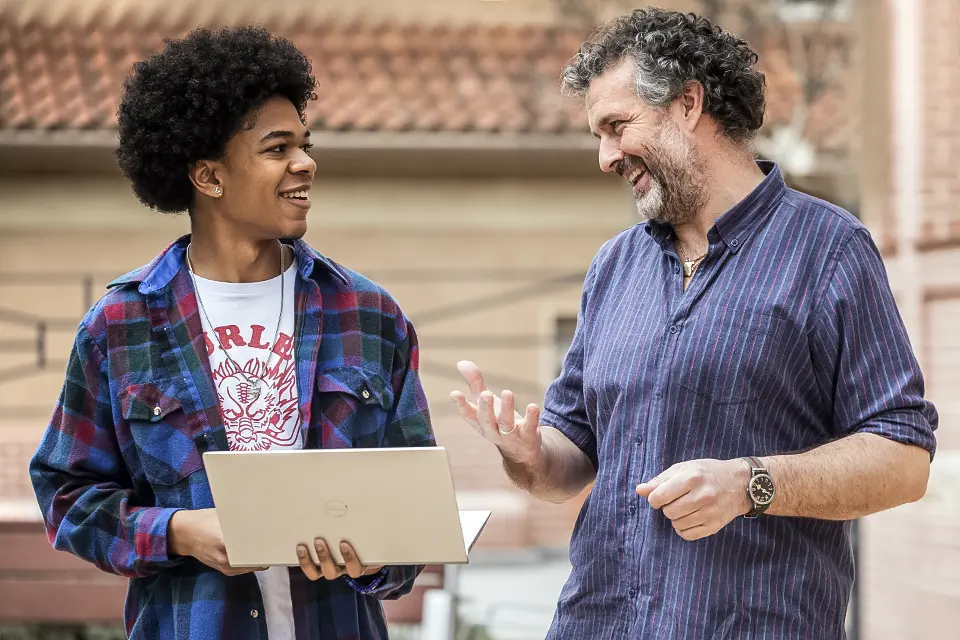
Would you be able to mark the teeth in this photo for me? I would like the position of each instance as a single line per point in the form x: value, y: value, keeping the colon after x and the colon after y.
x: 636, y: 173
x: 296, y: 194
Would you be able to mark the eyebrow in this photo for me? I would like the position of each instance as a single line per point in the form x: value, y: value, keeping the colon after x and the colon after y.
x: 284, y: 135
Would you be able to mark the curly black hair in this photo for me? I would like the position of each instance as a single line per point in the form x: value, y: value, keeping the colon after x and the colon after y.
x: 184, y: 103
x: 669, y: 49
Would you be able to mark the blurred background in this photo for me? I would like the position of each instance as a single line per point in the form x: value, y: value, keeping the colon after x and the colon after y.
x: 452, y: 172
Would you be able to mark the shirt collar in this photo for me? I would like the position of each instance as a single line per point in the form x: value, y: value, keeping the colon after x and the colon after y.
x: 160, y: 272
x: 736, y: 225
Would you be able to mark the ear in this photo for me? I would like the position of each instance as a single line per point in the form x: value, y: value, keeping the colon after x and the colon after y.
x: 690, y: 102
x: 205, y: 177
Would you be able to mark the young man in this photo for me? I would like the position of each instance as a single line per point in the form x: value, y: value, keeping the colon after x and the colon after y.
x: 237, y: 337
x: 739, y: 353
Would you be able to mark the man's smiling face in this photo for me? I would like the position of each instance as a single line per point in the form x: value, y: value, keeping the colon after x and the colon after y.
x: 645, y: 146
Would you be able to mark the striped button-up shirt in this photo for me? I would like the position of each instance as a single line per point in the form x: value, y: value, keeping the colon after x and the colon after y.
x: 787, y: 337
x: 123, y: 451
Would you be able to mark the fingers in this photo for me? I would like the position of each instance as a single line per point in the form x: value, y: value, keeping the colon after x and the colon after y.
x: 468, y: 410
x: 531, y: 422
x: 695, y: 533
x: 690, y: 520
x: 310, y: 570
x: 486, y: 416
x: 681, y: 507
x: 328, y: 567
x: 324, y: 567
x: 672, y: 489
x: 354, y: 566
x: 506, y: 417
x: 647, y: 488
x: 471, y: 373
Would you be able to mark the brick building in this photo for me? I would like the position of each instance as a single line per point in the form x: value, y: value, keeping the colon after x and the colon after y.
x: 450, y: 170
x: 909, y: 189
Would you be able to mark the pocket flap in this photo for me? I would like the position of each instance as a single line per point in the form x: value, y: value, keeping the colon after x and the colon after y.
x: 149, y: 402
x: 369, y: 388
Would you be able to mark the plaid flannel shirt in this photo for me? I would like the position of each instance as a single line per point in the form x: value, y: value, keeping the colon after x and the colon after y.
x: 138, y: 408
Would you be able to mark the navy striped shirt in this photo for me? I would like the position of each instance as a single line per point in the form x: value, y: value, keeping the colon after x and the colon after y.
x: 787, y: 337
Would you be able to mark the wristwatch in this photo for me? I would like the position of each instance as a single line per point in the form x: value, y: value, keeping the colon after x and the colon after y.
x: 760, y: 490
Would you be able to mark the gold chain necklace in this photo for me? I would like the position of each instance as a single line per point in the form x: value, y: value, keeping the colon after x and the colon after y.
x: 689, y: 266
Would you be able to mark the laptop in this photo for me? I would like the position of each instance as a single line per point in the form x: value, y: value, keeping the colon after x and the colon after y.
x: 396, y: 506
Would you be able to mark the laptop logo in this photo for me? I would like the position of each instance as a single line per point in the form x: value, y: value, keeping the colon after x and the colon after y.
x: 335, y: 508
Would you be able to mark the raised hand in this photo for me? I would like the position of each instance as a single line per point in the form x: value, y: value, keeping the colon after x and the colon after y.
x: 517, y: 437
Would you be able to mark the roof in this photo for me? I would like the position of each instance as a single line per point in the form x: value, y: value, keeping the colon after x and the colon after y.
x: 383, y: 78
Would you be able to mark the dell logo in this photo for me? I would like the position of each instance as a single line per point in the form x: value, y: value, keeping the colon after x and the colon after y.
x: 335, y: 508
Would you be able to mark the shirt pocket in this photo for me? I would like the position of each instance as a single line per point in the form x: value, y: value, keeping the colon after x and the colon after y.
x: 353, y: 405
x: 730, y: 360
x: 161, y: 432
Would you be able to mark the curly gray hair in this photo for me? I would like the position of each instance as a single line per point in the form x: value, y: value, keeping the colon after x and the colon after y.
x: 670, y: 49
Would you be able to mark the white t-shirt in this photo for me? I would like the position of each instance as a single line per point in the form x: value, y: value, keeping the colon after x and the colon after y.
x: 244, y: 317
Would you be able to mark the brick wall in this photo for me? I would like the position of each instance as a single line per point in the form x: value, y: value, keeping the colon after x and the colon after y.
x: 910, y: 569
x: 941, y: 141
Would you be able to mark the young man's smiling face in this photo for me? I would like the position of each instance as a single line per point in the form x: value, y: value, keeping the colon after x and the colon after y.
x: 266, y: 173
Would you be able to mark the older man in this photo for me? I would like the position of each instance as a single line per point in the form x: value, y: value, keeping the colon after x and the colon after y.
x: 740, y: 385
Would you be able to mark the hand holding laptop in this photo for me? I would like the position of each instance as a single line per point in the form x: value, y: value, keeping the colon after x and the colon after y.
x: 327, y: 568
x: 196, y: 533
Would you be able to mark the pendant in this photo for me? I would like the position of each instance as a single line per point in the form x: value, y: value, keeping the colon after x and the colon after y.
x: 688, y: 268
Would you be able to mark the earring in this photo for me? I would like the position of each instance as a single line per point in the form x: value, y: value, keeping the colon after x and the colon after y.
x: 218, y: 191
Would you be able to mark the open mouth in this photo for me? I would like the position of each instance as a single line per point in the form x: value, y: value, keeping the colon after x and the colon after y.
x: 634, y: 176
x: 299, y: 198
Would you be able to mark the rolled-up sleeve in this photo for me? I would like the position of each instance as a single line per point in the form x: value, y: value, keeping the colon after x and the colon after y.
x: 564, y: 407
x: 866, y: 365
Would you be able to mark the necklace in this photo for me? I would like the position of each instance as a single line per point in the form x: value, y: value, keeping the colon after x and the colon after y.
x: 689, y: 266
x: 252, y: 380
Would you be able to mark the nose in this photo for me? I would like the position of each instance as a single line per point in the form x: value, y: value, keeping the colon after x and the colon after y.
x: 610, y: 154
x: 303, y: 163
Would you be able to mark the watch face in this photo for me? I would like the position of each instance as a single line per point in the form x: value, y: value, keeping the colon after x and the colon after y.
x: 761, y: 489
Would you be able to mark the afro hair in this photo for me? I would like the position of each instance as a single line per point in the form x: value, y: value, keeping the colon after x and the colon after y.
x: 183, y: 105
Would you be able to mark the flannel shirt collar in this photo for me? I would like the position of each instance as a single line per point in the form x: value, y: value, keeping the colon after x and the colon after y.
x: 159, y: 273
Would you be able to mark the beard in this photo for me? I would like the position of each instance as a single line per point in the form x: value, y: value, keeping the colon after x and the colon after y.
x: 677, y: 172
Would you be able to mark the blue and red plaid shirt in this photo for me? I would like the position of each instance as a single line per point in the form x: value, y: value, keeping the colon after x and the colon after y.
x: 138, y: 408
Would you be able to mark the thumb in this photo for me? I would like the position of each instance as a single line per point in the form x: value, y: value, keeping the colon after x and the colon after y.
x: 644, y: 489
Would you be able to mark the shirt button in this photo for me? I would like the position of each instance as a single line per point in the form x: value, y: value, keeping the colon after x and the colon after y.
x: 254, y: 613
x: 673, y: 329
x: 632, y: 593
x: 676, y: 269
x: 156, y: 411
x: 639, y: 439
x: 659, y: 394
x: 365, y: 394
x: 633, y: 508
x: 735, y: 242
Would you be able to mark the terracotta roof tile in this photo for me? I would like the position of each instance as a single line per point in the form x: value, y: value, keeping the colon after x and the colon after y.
x: 371, y: 76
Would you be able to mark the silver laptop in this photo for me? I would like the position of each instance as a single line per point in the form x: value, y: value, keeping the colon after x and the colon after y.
x: 395, y: 506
